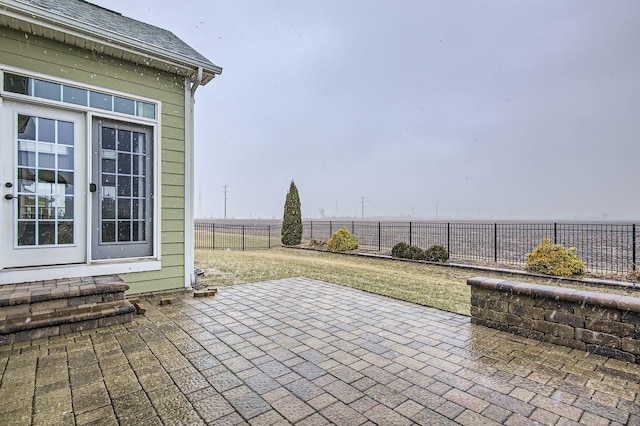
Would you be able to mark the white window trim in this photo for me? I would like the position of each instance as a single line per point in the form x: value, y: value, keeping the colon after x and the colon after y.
x: 94, y: 267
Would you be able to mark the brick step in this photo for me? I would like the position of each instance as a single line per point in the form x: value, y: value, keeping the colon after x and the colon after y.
x: 49, y: 308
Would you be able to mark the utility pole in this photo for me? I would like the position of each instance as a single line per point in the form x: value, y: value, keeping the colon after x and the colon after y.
x: 225, y: 200
x: 362, y: 201
x: 436, y: 210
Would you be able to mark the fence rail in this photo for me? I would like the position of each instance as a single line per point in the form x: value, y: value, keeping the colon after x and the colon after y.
x: 604, y: 248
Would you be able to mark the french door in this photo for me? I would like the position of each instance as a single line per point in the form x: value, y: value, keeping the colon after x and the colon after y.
x: 43, y: 175
x: 121, y: 190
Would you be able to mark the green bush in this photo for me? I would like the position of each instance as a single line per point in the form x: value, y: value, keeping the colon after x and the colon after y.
x: 342, y: 240
x: 436, y: 253
x: 554, y: 259
x: 405, y: 251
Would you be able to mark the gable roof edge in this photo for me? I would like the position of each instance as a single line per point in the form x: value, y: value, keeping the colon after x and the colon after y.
x: 148, y: 53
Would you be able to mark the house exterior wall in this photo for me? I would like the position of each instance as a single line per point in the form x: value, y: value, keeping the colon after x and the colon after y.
x: 58, y: 60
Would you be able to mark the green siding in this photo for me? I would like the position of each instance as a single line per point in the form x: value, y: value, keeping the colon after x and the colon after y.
x: 58, y: 60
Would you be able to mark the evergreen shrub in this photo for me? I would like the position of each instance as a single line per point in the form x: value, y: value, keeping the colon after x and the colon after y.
x: 437, y: 253
x: 554, y: 259
x: 292, y: 220
x: 342, y: 240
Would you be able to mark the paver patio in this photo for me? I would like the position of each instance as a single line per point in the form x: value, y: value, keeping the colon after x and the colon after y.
x: 311, y: 353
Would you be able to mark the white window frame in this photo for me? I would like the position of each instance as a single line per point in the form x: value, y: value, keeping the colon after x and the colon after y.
x: 103, y: 266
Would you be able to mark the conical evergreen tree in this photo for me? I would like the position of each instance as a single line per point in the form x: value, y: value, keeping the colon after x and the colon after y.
x: 292, y: 220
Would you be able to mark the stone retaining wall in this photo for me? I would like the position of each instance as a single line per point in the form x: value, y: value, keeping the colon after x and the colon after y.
x: 604, y: 324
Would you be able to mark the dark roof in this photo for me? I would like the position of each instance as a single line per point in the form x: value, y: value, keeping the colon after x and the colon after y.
x: 107, y: 22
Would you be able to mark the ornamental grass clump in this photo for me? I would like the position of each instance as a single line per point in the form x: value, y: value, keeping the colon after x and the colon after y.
x: 342, y: 240
x: 554, y: 259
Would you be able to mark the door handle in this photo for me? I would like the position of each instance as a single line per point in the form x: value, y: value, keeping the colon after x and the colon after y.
x: 9, y: 197
x: 93, y: 187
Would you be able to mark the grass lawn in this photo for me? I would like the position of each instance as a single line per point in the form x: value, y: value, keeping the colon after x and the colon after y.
x: 441, y: 287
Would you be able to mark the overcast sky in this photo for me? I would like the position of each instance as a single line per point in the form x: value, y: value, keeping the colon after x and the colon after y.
x: 471, y: 109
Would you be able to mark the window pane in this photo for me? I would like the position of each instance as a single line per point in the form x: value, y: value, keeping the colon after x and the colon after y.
x: 26, y: 180
x: 124, y: 231
x: 65, y: 233
x: 108, y: 232
x: 108, y: 138
x: 65, y: 180
x: 108, y: 185
x: 123, y: 105
x: 47, y: 160
x: 46, y: 90
x: 46, y: 208
x: 65, y: 208
x: 124, y: 163
x: 108, y: 165
x: 27, y: 154
x: 146, y: 110
x: 124, y: 186
x: 46, y: 130
x: 26, y: 207
x: 46, y: 232
x: 65, y: 158
x: 108, y: 208
x: 17, y: 84
x: 124, y: 140
x: 138, y: 142
x: 138, y: 230
x: 27, y: 233
x: 26, y: 127
x: 100, y: 100
x: 124, y: 208
x: 73, y: 95
x: 65, y: 133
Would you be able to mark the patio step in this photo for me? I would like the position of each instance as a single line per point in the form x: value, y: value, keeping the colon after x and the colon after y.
x: 40, y: 309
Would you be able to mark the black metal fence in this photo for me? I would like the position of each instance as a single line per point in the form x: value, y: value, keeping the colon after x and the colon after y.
x: 604, y: 248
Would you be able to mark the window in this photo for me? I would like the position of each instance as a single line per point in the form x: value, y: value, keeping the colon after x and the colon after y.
x: 64, y: 93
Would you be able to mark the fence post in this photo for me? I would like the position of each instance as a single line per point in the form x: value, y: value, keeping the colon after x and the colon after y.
x: 353, y: 227
x: 410, y: 232
x: 311, y: 230
x: 449, y: 238
x: 242, y: 237
x: 633, y: 250
x: 330, y: 229
x: 380, y: 237
x: 495, y: 242
x: 555, y: 233
x: 213, y: 238
x: 269, y: 236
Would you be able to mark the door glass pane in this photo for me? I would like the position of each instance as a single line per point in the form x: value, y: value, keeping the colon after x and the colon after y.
x: 108, y: 208
x: 46, y: 130
x: 108, y: 232
x: 46, y: 233
x: 45, y: 181
x: 65, y: 233
x: 27, y: 233
x: 26, y: 127
x: 65, y: 133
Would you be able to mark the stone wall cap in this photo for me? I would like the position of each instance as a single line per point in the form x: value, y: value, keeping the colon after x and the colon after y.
x: 613, y: 301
